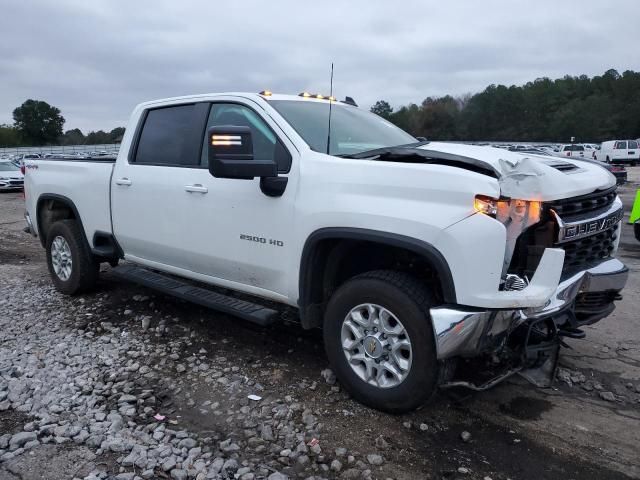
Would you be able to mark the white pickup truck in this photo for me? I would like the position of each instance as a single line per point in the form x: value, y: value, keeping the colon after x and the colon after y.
x: 422, y: 262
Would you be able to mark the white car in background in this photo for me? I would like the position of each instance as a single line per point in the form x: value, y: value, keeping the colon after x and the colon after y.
x: 590, y: 149
x: 572, y: 150
x: 548, y: 150
x: 619, y: 151
x: 11, y: 177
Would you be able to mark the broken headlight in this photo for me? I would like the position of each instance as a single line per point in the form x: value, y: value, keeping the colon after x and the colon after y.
x: 516, y: 216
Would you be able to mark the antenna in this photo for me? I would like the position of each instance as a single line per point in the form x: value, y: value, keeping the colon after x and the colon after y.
x: 330, y: 103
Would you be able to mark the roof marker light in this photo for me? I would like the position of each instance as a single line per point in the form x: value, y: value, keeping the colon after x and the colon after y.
x: 319, y: 97
x: 266, y: 93
x: 304, y: 94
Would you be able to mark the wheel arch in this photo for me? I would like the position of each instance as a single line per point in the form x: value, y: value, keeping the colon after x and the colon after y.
x: 103, y: 244
x: 330, y: 256
x: 59, y: 208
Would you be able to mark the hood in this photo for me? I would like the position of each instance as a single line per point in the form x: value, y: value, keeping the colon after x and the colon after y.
x: 17, y: 175
x: 532, y: 177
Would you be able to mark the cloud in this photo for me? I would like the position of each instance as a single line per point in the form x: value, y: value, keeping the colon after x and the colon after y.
x: 96, y: 60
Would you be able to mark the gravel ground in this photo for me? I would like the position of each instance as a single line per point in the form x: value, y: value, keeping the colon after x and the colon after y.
x: 125, y: 383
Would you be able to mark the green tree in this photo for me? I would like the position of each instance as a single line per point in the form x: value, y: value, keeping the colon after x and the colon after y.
x: 116, y: 134
x: 38, y: 122
x: 590, y: 109
x: 408, y: 119
x: 9, y: 136
x: 97, y: 138
x: 73, y: 137
x: 382, y: 108
x: 439, y: 118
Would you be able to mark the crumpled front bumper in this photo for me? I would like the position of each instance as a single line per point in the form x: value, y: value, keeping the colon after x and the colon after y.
x: 467, y: 332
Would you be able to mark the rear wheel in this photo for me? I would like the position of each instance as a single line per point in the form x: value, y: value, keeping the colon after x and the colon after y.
x: 72, y: 266
x: 608, y: 160
x: 379, y: 339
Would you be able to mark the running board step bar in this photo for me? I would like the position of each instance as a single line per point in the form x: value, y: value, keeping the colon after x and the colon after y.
x: 251, y: 312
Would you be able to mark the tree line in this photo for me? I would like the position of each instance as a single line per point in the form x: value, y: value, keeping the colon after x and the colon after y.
x: 36, y: 124
x: 590, y: 109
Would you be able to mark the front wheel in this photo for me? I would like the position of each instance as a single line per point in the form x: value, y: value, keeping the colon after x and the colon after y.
x: 72, y: 266
x: 379, y: 339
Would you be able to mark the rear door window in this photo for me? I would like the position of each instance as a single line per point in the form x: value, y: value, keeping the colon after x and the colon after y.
x: 165, y: 136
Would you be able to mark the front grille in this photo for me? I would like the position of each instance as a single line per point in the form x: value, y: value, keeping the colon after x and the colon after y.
x: 594, y: 301
x: 583, y: 204
x: 16, y: 183
x: 589, y: 249
x: 578, y: 253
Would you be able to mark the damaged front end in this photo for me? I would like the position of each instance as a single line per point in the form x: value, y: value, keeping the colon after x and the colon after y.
x: 568, y: 255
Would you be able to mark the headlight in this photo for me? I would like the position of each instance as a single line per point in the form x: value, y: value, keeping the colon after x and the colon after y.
x: 3, y: 178
x: 509, y: 211
x: 516, y: 216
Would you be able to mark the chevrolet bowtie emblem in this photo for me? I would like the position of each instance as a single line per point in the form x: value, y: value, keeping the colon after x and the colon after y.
x: 372, y: 346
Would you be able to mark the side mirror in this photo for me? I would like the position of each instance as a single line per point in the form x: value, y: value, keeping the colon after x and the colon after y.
x: 231, y: 154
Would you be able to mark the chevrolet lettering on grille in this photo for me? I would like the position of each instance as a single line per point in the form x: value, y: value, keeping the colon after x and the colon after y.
x: 572, y: 231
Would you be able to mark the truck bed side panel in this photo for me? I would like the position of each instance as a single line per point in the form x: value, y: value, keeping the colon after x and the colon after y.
x: 85, y: 183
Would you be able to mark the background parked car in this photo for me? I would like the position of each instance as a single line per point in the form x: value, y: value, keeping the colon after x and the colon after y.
x: 11, y: 177
x: 571, y: 151
x: 619, y: 151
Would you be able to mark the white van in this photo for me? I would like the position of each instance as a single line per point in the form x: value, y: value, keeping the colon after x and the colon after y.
x: 619, y: 151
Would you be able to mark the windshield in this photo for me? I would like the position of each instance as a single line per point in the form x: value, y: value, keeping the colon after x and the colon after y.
x: 8, y: 167
x: 352, y: 130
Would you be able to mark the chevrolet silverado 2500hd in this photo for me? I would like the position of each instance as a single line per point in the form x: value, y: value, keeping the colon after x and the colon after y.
x: 420, y: 261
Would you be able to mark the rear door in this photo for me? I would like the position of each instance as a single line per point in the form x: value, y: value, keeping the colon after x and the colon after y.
x: 632, y: 150
x: 147, y: 187
x: 619, y: 150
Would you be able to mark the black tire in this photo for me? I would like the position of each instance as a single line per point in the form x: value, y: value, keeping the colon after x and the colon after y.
x: 409, y: 300
x: 608, y: 160
x: 84, y: 266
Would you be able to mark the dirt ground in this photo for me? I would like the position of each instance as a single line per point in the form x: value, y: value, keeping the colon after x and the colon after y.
x: 569, y: 431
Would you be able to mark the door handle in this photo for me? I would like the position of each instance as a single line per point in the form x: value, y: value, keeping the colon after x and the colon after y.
x: 196, y: 188
x: 123, y: 181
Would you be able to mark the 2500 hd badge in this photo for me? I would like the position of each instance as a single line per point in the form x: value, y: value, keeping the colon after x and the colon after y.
x: 266, y: 241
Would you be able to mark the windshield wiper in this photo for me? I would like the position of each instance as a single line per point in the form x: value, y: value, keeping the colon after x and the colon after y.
x: 385, y: 151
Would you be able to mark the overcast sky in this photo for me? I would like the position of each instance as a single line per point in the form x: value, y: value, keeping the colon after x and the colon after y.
x: 95, y: 59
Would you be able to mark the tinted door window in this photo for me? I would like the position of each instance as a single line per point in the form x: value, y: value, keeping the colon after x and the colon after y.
x: 165, y: 133
x: 266, y: 145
